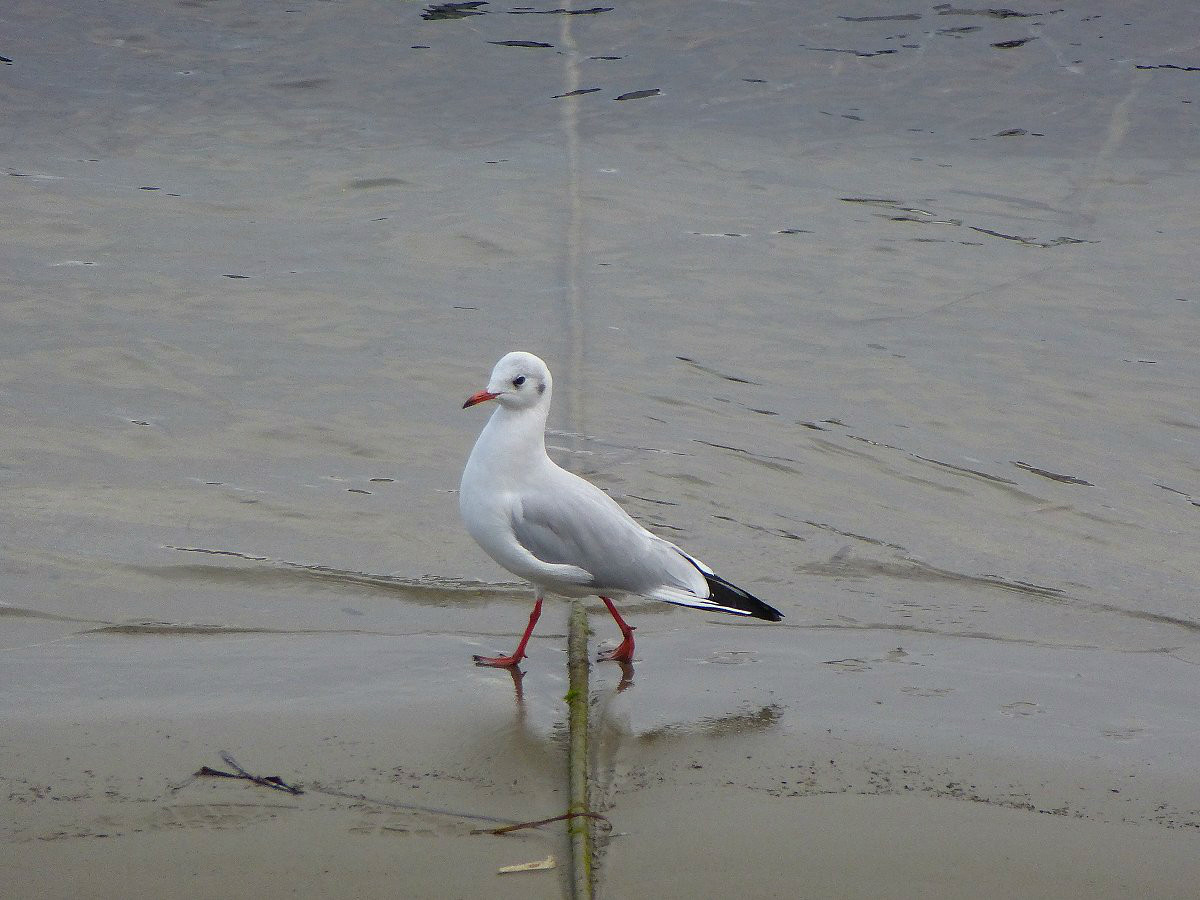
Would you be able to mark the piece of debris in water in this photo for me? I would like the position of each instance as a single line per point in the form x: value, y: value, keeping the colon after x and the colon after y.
x: 536, y: 865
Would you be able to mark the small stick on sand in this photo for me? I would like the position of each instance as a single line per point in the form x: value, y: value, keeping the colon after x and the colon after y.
x: 505, y: 829
x: 272, y: 781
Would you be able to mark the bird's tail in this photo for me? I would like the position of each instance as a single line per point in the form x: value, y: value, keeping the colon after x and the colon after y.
x: 733, y: 599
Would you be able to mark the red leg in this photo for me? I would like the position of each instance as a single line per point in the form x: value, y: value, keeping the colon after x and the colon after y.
x: 623, y: 652
x: 508, y: 662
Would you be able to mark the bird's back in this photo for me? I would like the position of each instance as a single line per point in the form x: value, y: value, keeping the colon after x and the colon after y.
x: 568, y: 520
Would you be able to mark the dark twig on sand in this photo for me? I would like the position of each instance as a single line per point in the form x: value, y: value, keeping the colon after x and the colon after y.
x: 276, y: 783
x: 411, y: 807
x: 272, y: 781
x: 564, y: 817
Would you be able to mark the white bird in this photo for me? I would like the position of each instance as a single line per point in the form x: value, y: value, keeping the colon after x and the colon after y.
x: 561, y: 533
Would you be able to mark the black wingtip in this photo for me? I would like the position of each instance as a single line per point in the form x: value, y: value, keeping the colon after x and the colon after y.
x: 726, y: 594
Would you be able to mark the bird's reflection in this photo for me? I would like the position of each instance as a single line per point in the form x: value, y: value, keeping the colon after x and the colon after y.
x: 626, y: 677
x: 518, y: 682
x: 518, y: 678
x: 526, y: 748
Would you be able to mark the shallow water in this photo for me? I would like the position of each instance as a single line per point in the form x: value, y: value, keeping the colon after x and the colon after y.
x: 889, y: 317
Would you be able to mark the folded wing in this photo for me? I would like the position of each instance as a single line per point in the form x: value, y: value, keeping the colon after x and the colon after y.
x: 573, y: 522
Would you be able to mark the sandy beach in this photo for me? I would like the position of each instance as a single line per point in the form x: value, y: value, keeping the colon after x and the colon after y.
x: 889, y: 314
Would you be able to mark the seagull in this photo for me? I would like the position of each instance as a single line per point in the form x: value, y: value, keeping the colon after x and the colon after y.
x: 563, y: 534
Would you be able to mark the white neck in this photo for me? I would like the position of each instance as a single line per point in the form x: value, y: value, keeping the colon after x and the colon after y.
x: 513, y: 441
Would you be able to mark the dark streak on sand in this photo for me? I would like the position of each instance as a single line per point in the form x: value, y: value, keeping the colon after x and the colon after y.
x: 590, y: 11
x: 945, y: 9
x: 454, y: 10
x: 1054, y: 242
x: 1054, y: 476
x: 902, y: 17
x: 861, y: 53
x: 638, y: 95
x: 710, y: 371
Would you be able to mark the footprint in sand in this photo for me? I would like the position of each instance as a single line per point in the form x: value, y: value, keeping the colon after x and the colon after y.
x: 731, y: 657
x: 215, y: 816
x: 1123, y: 732
x: 1021, y: 708
x: 913, y: 691
x: 848, y: 665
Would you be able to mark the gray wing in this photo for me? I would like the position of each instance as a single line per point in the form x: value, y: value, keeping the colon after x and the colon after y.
x: 570, y: 521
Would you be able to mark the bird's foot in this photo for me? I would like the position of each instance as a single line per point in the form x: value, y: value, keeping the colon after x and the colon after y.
x: 499, y: 662
x: 511, y: 662
x: 622, y: 653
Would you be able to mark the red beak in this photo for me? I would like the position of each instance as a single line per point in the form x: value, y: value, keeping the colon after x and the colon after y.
x: 479, y: 397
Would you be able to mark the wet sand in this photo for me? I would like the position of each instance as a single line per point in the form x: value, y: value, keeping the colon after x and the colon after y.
x: 907, y: 775
x: 889, y: 317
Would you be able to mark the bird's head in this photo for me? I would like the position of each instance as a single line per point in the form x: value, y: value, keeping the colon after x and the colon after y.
x: 519, y: 381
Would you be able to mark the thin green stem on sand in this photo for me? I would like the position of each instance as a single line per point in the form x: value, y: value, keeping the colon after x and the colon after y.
x: 579, y: 827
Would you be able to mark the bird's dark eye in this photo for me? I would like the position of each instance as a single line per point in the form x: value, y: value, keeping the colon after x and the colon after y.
x: 518, y: 381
